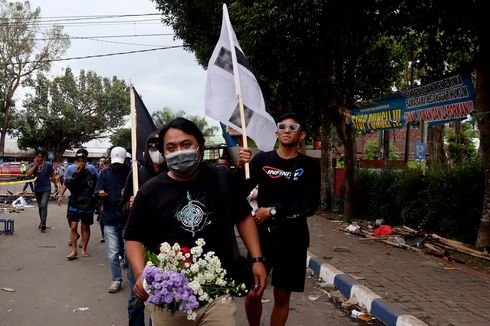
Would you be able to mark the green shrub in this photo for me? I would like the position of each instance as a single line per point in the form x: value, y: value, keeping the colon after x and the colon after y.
x: 446, y: 200
x: 455, y: 199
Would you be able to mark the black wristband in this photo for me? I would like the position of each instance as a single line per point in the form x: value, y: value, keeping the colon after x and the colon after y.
x: 257, y: 260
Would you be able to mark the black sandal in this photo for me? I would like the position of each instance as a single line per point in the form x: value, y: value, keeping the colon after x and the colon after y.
x: 71, y: 257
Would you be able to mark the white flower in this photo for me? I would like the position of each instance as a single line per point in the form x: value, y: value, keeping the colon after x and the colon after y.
x: 206, y: 277
x: 200, y: 242
x: 176, y: 247
x: 191, y: 315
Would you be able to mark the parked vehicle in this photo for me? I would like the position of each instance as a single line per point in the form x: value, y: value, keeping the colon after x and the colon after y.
x: 10, y: 168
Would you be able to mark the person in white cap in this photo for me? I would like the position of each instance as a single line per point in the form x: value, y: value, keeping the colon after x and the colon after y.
x: 109, y: 188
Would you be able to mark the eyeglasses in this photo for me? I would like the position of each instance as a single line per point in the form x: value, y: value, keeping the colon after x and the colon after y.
x: 292, y: 126
x: 153, y: 146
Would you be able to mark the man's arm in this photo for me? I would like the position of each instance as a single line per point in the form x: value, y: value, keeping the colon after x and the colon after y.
x: 62, y: 194
x: 134, y: 252
x: 248, y: 232
x: 31, y: 170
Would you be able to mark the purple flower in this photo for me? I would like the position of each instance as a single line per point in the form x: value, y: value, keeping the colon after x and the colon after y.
x: 169, y: 289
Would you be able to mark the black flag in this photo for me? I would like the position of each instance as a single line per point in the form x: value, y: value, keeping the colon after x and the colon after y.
x: 144, y: 126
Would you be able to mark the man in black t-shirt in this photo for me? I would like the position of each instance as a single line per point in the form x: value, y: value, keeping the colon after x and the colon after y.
x: 288, y: 192
x: 182, y: 205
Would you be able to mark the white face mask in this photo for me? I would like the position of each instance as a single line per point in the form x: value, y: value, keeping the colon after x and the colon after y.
x: 156, y: 157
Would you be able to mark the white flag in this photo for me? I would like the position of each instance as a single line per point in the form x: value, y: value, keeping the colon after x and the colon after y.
x: 229, y: 77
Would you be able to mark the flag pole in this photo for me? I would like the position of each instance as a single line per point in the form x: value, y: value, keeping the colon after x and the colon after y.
x: 237, y: 86
x: 133, y: 141
x: 244, y: 134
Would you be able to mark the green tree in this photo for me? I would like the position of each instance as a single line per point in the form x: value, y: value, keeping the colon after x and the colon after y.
x: 68, y: 111
x: 22, y: 52
x: 121, y: 137
x: 166, y: 114
x: 460, y: 145
x: 457, y: 39
x: 308, y: 56
x: 372, y: 151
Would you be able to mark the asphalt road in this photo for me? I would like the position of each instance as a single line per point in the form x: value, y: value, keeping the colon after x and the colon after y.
x: 49, y: 290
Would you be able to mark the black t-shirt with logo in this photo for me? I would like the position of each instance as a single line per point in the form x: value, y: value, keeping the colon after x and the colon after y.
x: 295, y: 195
x: 167, y: 210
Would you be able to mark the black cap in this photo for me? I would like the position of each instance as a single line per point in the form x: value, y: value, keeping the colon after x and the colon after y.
x: 153, y: 137
x: 82, y: 152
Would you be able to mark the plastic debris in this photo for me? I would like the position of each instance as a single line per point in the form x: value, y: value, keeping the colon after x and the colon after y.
x: 265, y: 300
x: 353, y: 228
x: 355, y: 313
x: 81, y: 309
x: 383, y: 230
x: 399, y: 240
x: 315, y: 295
x: 20, y: 203
x: 8, y: 289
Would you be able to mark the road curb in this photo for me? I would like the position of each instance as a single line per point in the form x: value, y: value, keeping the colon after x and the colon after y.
x: 387, y: 312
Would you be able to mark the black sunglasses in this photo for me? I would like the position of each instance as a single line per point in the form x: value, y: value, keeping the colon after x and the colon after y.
x: 292, y: 126
x: 153, y: 146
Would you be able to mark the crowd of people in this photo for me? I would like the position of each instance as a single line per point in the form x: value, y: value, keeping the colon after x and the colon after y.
x: 182, y: 198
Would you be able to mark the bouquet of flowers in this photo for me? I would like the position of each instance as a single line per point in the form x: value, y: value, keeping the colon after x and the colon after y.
x: 183, y: 279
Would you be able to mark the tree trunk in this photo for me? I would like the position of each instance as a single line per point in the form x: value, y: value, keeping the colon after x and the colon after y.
x: 350, y: 172
x: 386, y: 145
x: 60, y: 150
x: 380, y: 154
x: 5, y: 124
x: 457, y: 131
x: 326, y: 160
x: 483, y: 116
x: 407, y: 144
x: 346, y: 135
x: 437, y: 154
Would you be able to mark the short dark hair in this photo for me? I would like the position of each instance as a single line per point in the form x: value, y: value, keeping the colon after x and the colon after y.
x: 186, y: 126
x: 41, y: 152
x: 293, y: 116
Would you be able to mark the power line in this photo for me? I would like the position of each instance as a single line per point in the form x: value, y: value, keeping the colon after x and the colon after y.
x: 88, y: 17
x: 107, y: 36
x: 89, y: 23
x: 107, y: 54
x: 115, y: 42
x: 108, y: 22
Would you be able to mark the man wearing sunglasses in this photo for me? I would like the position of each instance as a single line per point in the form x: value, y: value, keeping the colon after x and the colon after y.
x: 288, y: 192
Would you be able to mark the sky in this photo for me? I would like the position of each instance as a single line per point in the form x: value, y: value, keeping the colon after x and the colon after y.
x: 169, y: 77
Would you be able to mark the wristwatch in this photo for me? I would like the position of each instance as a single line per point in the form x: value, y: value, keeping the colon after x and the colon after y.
x: 254, y: 260
x: 272, y: 211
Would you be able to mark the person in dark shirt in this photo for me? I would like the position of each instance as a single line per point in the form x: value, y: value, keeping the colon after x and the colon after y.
x: 110, y: 185
x: 288, y: 192
x: 44, y: 173
x: 154, y: 164
x: 81, y: 205
x: 183, y: 205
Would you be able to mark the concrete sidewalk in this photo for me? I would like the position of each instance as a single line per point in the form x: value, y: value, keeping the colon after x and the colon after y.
x: 397, y: 286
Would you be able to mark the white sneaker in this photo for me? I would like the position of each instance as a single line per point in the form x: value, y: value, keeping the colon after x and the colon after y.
x: 115, y: 287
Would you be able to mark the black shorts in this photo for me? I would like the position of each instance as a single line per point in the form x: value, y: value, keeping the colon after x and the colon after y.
x: 86, y: 218
x: 287, y: 267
